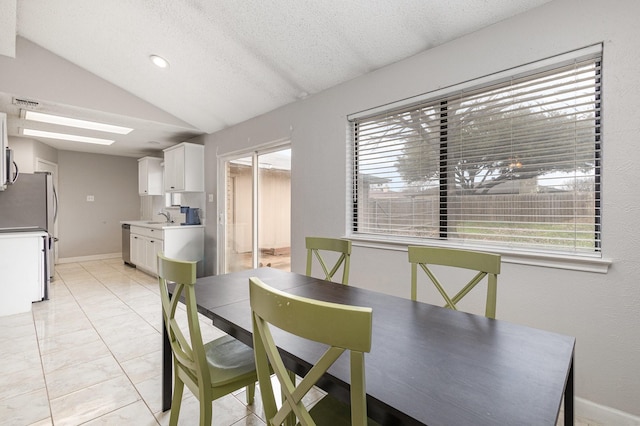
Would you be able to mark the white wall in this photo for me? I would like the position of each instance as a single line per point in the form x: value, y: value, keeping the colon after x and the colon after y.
x: 601, y: 310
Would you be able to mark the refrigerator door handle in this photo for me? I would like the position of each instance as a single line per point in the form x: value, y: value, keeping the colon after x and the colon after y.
x: 15, y: 176
x: 55, y: 204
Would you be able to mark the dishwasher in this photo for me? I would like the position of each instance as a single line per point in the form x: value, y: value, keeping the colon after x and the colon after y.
x: 126, y: 244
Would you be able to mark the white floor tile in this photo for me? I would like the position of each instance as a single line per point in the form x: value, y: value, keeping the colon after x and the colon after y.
x: 25, y: 409
x: 21, y: 382
x: 65, y: 341
x: 133, y: 414
x: 74, y: 355
x: 144, y: 367
x: 80, y: 375
x: 94, y: 401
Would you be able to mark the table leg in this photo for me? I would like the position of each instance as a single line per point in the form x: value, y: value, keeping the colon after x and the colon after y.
x: 568, y: 398
x: 166, y: 369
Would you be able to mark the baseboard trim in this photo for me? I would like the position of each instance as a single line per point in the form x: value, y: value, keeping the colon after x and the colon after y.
x: 89, y: 258
x: 603, y: 414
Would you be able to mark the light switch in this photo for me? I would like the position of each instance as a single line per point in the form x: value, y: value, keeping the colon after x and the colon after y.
x: 90, y: 198
x: 211, y: 198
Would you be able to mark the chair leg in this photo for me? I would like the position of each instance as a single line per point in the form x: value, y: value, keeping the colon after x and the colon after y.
x: 251, y: 392
x: 205, y: 411
x: 178, y: 388
x: 291, y: 418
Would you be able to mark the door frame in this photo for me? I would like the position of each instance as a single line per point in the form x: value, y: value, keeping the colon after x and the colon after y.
x: 221, y: 219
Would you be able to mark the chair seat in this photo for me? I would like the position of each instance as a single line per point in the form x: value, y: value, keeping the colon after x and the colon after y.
x: 330, y: 411
x: 229, y: 360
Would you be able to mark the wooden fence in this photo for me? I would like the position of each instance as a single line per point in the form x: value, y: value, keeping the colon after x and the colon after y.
x: 391, y: 211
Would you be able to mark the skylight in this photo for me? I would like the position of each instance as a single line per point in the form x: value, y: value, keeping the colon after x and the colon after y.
x: 72, y: 122
x: 66, y: 137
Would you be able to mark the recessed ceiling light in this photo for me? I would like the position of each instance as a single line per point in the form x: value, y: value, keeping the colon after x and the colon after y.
x: 72, y: 122
x: 159, y: 61
x: 66, y: 137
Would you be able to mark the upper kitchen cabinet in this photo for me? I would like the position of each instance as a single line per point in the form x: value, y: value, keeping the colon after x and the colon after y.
x: 184, y: 168
x: 150, y: 176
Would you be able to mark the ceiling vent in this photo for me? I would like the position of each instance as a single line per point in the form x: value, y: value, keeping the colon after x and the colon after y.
x: 26, y: 103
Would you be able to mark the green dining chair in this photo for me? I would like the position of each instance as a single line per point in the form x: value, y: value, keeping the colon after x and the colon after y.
x: 487, y: 265
x: 340, y: 327
x: 209, y: 370
x: 317, y: 245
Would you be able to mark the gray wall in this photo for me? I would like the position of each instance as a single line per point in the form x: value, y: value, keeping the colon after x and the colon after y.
x: 93, y: 228
x: 86, y: 228
x: 601, y: 310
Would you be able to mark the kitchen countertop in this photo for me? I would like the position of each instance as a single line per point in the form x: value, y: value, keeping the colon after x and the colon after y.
x: 21, y: 229
x: 22, y: 232
x: 158, y: 224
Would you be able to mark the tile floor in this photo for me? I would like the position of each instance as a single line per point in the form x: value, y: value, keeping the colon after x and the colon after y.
x: 91, y: 355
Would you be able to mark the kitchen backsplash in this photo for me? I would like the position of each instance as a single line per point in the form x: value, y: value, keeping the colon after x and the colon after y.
x: 150, y: 205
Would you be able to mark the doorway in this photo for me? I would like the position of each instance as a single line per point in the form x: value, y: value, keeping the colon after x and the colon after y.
x: 256, y: 210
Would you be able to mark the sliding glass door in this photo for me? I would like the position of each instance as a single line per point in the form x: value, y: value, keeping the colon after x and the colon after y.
x: 256, y: 216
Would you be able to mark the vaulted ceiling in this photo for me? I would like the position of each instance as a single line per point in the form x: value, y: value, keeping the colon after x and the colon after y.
x: 229, y: 60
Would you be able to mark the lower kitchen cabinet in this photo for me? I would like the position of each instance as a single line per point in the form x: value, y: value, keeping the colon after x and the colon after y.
x: 144, y: 250
x: 177, y: 242
x: 22, y: 271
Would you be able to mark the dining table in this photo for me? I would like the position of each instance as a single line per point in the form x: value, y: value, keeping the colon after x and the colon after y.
x: 427, y: 364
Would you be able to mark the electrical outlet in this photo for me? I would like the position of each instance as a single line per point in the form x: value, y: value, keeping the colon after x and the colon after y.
x: 90, y: 198
x: 211, y: 198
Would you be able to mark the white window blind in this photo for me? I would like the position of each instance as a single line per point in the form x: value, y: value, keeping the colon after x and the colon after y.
x: 512, y: 164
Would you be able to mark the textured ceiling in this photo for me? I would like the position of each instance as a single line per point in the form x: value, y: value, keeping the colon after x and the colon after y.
x: 232, y: 60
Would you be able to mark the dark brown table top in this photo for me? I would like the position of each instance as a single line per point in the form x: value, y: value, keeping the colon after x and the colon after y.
x: 427, y: 365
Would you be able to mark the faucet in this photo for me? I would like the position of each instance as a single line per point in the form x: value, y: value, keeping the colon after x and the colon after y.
x: 167, y: 215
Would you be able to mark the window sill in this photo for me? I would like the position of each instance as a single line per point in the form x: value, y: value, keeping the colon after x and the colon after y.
x: 584, y: 263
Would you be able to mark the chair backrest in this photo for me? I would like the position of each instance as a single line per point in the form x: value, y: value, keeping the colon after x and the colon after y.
x: 341, y: 327
x: 487, y: 265
x: 316, y: 245
x: 188, y: 353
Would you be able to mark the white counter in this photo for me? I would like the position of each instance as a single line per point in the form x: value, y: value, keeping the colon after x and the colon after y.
x: 147, y: 238
x: 158, y: 225
x: 22, y: 270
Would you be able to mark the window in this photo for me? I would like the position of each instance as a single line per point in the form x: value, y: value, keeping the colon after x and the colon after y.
x: 513, y: 163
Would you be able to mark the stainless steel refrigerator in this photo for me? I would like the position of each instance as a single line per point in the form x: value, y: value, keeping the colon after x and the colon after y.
x: 31, y: 203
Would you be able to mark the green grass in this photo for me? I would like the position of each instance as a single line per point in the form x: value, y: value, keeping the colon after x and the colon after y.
x: 548, y: 234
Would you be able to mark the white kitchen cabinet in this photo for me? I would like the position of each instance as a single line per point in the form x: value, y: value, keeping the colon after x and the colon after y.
x: 175, y: 241
x: 150, y: 176
x: 184, y: 168
x: 139, y: 251
x: 145, y: 244
x: 22, y: 271
x: 135, y: 247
